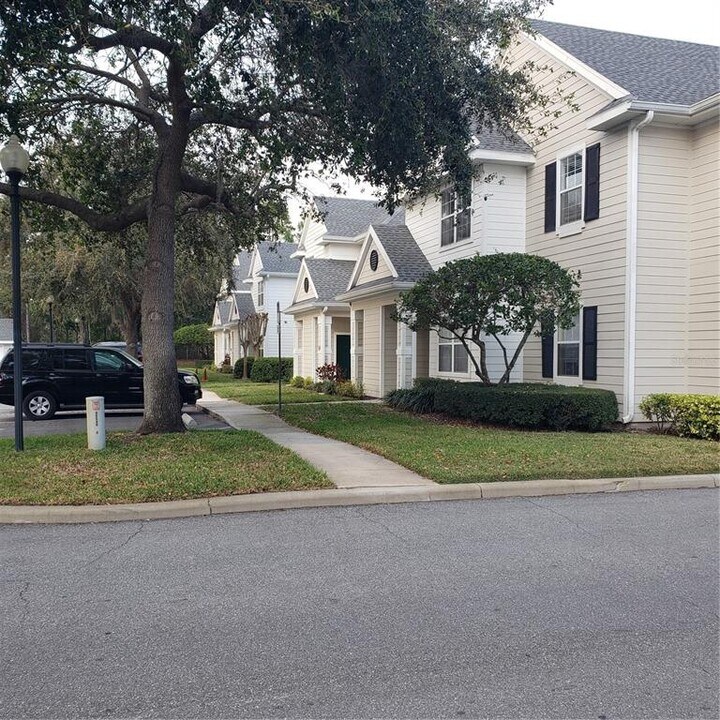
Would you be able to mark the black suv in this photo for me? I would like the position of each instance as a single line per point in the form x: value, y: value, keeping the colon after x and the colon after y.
x: 60, y: 377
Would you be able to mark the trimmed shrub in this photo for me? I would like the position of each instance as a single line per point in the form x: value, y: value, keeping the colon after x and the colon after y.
x: 298, y: 381
x: 528, y: 405
x: 686, y: 415
x: 225, y: 369
x: 266, y: 369
x: 238, y: 371
x: 308, y: 383
x: 327, y: 387
x: 349, y: 389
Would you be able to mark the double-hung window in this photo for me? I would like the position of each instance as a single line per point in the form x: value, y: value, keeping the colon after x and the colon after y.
x: 455, y: 211
x: 570, y: 355
x: 261, y: 293
x: 452, y: 356
x: 572, y: 190
x: 568, y: 350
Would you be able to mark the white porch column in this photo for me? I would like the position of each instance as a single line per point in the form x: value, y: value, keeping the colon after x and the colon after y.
x: 328, y: 353
x: 405, y: 356
x: 357, y: 318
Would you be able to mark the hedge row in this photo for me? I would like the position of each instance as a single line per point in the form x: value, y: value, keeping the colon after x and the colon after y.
x: 238, y: 371
x: 265, y: 369
x: 686, y: 415
x: 527, y: 405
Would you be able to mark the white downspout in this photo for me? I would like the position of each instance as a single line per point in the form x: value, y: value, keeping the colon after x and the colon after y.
x: 631, y: 265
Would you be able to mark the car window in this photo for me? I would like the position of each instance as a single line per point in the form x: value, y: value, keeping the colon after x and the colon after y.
x: 108, y: 361
x: 76, y: 360
x: 56, y: 358
x: 32, y: 360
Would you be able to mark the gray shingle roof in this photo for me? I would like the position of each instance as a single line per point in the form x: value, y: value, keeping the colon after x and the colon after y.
x: 6, y: 329
x: 330, y: 277
x: 404, y: 254
x: 346, y: 217
x: 276, y: 258
x: 650, y: 69
x: 224, y: 310
x: 244, y: 303
x: 491, y: 137
x: 242, y: 269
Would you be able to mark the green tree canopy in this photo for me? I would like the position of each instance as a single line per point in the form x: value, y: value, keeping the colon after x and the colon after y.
x: 493, y: 295
x: 385, y: 90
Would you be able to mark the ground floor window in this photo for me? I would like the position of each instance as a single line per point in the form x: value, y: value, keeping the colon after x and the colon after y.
x: 452, y: 356
x: 568, y: 350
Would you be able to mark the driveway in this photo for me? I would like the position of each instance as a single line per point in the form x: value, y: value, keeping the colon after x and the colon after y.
x: 75, y: 422
x: 559, y: 607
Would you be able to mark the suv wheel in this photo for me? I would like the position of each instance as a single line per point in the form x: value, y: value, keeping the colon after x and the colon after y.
x: 39, y: 405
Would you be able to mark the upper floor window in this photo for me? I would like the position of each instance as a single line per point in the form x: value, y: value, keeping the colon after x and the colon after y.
x: 572, y: 190
x: 261, y: 293
x: 454, y: 216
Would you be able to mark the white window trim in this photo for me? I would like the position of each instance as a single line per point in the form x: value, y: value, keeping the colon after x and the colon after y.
x: 569, y: 380
x: 455, y: 343
x: 455, y: 242
x: 576, y: 227
x: 261, y: 293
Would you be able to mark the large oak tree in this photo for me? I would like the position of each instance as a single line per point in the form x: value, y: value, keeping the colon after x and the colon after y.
x: 385, y: 90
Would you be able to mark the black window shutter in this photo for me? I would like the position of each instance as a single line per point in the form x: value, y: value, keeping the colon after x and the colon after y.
x: 589, y: 341
x: 550, y: 199
x: 592, y: 182
x: 547, y: 343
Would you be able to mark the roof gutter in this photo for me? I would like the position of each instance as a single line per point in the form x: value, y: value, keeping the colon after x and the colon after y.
x: 631, y: 265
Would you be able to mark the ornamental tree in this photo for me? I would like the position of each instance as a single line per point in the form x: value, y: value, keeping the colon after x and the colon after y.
x: 384, y: 91
x: 497, y: 296
x: 251, y: 334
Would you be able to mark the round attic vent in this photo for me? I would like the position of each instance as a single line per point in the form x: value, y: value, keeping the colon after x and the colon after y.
x: 373, y: 260
x: 306, y: 285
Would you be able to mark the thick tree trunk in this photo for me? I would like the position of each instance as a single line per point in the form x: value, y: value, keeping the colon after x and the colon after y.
x: 162, y: 394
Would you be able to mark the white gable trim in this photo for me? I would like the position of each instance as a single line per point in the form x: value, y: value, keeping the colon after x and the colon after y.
x: 592, y: 76
x: 364, y: 251
x: 502, y: 156
x: 304, y: 273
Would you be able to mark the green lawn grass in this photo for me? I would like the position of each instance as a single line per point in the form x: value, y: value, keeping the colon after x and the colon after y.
x: 456, y: 453
x: 60, y: 470
x: 253, y: 393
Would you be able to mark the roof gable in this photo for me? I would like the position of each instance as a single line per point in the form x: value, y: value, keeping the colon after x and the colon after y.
x: 649, y: 69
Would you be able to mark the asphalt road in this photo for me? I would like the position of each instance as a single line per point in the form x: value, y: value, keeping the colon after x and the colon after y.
x: 75, y: 422
x: 598, y: 606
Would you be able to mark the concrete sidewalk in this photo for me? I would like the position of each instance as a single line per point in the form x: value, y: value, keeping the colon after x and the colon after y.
x: 347, y: 466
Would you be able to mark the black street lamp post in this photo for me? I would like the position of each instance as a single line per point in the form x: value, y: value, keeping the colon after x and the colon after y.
x: 50, y: 301
x: 14, y: 160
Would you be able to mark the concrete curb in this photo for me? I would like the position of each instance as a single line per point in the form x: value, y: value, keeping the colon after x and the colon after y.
x: 23, y: 514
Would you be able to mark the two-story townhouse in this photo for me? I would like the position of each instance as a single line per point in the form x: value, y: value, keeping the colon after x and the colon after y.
x: 329, y: 245
x: 437, y: 229
x: 626, y: 190
x: 261, y: 278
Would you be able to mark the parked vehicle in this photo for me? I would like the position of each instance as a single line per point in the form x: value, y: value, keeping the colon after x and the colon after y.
x: 120, y: 345
x: 60, y: 377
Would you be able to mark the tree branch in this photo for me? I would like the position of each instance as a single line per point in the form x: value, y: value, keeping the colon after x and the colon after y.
x: 113, y: 222
x: 107, y: 75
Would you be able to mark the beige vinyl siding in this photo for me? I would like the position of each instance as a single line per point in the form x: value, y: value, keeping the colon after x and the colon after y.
x: 372, y: 345
x: 300, y: 294
x: 662, y: 260
x: 497, y: 223
x: 338, y: 251
x: 308, y: 363
x: 703, y: 327
x: 367, y: 274
x: 313, y: 230
x: 598, y: 251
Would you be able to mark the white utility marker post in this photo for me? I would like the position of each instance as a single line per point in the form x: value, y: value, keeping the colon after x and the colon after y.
x: 95, y: 411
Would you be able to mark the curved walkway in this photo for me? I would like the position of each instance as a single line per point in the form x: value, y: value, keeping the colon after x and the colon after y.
x: 347, y: 466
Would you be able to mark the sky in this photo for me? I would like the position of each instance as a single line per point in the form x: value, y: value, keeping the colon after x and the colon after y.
x: 690, y: 20
x: 695, y: 21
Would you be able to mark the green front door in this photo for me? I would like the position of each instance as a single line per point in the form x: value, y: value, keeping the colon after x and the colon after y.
x: 342, y: 353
